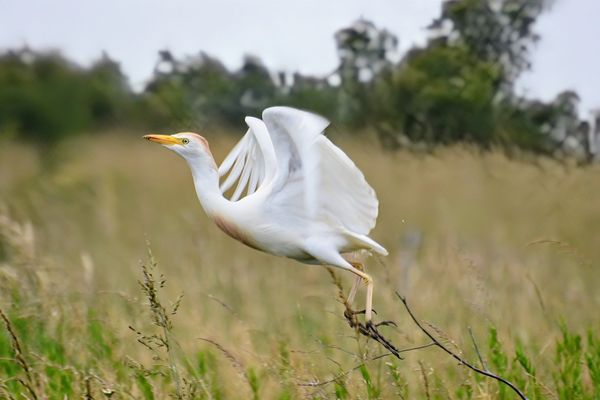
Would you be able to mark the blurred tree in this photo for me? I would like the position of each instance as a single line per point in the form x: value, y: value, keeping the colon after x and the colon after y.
x: 200, y: 90
x: 364, y: 51
x: 110, y: 94
x: 41, y: 95
x: 440, y: 94
x: 310, y: 93
x: 179, y: 88
x: 553, y: 127
x: 44, y: 97
x: 255, y: 87
x: 496, y: 31
x: 460, y: 86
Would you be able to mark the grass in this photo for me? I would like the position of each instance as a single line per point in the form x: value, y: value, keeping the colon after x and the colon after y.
x: 505, y: 250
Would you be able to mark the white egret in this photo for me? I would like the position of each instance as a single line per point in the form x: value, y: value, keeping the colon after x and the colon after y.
x: 297, y: 194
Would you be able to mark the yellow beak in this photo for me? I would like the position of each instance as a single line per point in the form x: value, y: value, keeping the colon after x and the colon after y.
x: 163, y: 139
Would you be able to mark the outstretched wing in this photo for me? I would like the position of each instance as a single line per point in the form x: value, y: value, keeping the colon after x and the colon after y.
x: 251, y: 163
x: 315, y: 179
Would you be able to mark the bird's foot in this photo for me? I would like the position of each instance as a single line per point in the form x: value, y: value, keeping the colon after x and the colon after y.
x: 350, y: 316
x: 369, y: 329
x: 378, y: 337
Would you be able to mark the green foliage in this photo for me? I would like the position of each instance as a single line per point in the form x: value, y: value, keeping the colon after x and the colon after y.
x: 201, y: 89
x: 285, y: 395
x: 592, y: 361
x: 399, y: 381
x: 207, y: 370
x: 527, y: 381
x: 35, y: 337
x: 340, y: 390
x: 55, y: 370
x: 373, y: 390
x: 498, y: 359
x: 254, y: 382
x: 144, y: 386
x: 465, y: 391
x: 438, y: 95
x: 459, y: 87
x: 568, y: 379
x: 100, y: 340
x: 311, y: 94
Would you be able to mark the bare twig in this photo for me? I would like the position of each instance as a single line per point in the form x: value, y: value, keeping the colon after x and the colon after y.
x: 456, y: 356
x: 343, y: 374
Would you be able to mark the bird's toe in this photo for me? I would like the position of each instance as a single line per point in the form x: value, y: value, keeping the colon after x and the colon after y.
x: 387, y: 323
x: 362, y: 312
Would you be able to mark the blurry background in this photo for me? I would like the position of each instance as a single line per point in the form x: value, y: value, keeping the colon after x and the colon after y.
x: 474, y: 121
x: 511, y: 73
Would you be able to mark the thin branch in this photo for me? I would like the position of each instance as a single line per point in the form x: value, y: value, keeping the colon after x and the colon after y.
x: 343, y: 374
x: 456, y: 356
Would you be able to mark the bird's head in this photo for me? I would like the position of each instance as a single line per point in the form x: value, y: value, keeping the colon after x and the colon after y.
x: 190, y: 146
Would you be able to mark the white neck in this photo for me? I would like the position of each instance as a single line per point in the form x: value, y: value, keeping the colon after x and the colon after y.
x: 206, y: 182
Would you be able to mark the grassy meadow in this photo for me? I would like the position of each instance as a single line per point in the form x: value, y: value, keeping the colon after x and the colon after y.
x: 490, y: 250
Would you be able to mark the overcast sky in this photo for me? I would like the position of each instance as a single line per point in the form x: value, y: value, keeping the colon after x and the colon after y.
x: 288, y: 35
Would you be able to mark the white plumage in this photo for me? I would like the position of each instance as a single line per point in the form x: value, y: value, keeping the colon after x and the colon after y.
x: 295, y: 194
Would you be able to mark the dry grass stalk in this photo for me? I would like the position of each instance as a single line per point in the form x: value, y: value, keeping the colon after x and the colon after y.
x: 29, y: 383
x: 150, y: 286
x: 481, y: 206
x: 425, y: 380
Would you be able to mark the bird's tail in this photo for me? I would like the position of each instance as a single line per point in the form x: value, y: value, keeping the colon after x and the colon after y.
x: 366, y: 242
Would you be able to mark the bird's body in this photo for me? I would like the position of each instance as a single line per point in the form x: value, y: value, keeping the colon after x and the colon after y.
x: 296, y: 194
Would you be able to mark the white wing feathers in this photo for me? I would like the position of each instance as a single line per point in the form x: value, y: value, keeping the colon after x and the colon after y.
x: 343, y: 192
x: 312, y: 179
x: 294, y: 134
x: 251, y: 162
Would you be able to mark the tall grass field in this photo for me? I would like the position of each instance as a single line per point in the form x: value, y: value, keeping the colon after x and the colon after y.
x: 115, y: 285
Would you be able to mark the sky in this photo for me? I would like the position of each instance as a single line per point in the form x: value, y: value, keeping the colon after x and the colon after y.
x: 287, y: 35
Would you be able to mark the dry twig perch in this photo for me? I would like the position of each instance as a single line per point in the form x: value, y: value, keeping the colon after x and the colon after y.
x: 461, y: 360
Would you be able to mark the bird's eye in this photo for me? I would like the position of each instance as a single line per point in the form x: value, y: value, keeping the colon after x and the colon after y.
x: 185, y: 140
